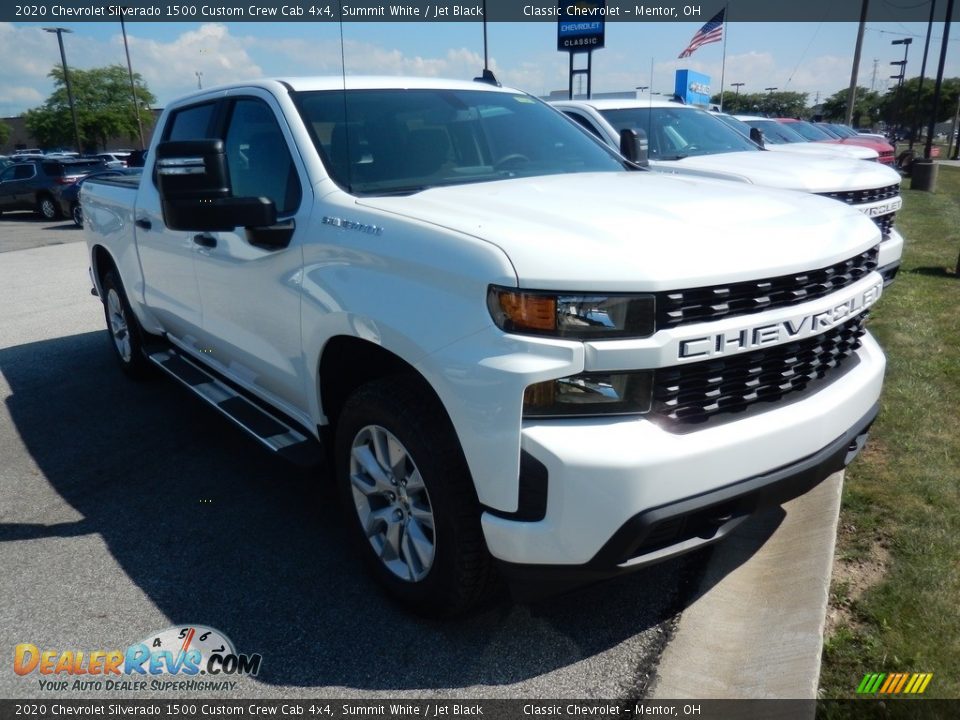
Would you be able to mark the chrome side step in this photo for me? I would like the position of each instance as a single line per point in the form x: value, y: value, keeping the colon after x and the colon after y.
x: 278, y: 435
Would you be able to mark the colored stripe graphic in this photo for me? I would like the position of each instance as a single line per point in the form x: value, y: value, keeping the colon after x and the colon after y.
x: 894, y: 683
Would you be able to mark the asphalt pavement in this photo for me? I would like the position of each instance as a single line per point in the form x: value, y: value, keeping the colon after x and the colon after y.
x: 127, y: 508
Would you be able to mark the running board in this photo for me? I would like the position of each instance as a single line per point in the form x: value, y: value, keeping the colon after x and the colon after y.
x: 278, y: 435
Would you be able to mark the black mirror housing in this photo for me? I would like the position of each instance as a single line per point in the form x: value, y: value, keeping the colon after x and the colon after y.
x: 756, y: 134
x: 633, y: 146
x: 195, y: 193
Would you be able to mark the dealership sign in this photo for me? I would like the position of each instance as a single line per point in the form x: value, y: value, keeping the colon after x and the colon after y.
x: 580, y: 24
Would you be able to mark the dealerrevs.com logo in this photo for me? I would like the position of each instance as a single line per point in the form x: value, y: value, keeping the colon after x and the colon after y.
x: 184, y: 653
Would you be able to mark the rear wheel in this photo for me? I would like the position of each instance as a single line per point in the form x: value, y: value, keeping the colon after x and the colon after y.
x: 77, y: 214
x: 126, y: 335
x: 47, y: 207
x: 412, y: 508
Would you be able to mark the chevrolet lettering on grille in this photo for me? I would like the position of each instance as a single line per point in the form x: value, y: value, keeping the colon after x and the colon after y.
x: 773, y: 333
x: 882, y: 208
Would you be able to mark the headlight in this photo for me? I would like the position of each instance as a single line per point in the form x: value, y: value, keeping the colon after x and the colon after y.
x: 593, y: 316
x: 622, y: 393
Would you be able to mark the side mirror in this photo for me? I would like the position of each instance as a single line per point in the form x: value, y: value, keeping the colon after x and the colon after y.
x: 756, y: 134
x: 195, y: 192
x: 633, y: 146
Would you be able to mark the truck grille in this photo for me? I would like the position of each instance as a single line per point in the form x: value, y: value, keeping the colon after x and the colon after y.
x: 683, y: 307
x: 861, y: 197
x: 697, y: 392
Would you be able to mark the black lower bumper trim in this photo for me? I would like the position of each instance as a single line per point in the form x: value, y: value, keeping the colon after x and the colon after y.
x: 889, y: 272
x: 663, y: 532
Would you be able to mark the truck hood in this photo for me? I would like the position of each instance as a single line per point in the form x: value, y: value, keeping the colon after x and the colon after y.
x: 640, y: 230
x: 848, y: 151
x: 810, y: 173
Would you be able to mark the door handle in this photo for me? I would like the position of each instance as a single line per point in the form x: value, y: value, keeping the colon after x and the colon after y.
x: 143, y: 223
x: 205, y: 240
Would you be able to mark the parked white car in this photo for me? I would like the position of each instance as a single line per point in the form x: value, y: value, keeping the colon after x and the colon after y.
x: 687, y: 140
x: 114, y: 159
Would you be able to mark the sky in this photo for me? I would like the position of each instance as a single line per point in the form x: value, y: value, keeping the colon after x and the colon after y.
x: 807, y: 57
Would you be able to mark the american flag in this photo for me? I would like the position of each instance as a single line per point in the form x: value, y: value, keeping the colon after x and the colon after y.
x: 711, y: 32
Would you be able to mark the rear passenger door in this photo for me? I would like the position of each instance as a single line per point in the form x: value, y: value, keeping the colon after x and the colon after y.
x: 250, y: 291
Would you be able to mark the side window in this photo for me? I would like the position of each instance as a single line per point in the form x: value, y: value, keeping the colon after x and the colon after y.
x: 193, y: 123
x: 24, y: 172
x: 7, y: 174
x: 583, y: 122
x: 258, y: 157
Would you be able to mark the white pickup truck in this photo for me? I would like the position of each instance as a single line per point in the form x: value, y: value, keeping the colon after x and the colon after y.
x: 526, y: 358
x: 685, y: 139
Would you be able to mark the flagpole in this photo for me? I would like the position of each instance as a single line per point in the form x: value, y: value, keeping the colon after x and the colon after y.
x: 723, y: 64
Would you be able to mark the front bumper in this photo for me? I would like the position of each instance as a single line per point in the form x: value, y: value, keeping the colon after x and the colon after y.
x: 679, y: 527
x: 611, y: 482
x: 888, y: 259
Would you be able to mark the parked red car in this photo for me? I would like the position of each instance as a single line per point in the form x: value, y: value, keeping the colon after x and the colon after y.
x: 814, y: 134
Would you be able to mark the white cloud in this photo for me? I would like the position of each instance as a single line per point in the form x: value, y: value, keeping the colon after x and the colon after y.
x: 169, y: 68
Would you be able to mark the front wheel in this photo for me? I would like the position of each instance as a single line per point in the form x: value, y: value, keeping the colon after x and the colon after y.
x: 76, y: 213
x: 412, y: 508
x: 126, y: 335
x: 48, y: 208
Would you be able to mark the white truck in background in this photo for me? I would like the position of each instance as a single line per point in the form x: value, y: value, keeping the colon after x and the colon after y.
x: 687, y: 140
x: 522, y: 357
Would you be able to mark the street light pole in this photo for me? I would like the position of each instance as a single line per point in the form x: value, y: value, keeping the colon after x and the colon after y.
x: 901, y: 78
x: 199, y: 76
x: 66, y: 79
x: 736, y: 93
x: 133, y: 89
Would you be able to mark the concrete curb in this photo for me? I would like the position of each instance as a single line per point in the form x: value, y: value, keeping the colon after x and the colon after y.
x: 755, y: 627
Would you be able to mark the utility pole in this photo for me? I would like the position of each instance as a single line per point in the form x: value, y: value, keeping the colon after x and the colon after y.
x: 873, y: 79
x: 66, y: 79
x: 915, y: 127
x: 852, y: 92
x: 133, y: 89
x: 936, y: 90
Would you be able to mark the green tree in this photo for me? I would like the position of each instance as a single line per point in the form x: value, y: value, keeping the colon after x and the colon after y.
x: 866, y: 108
x: 777, y: 104
x: 103, y: 104
x: 901, y: 108
x: 4, y: 133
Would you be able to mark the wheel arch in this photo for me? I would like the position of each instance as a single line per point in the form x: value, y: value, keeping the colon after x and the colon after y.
x: 347, y: 362
x: 101, y: 261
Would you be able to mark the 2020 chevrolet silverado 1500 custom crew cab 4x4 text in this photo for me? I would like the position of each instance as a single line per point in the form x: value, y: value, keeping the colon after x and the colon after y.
x: 523, y: 357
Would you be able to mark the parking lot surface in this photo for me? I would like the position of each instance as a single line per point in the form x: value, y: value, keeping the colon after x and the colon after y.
x: 128, y: 508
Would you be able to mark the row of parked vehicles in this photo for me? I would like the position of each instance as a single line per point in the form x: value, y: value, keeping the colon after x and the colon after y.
x: 49, y: 183
x: 530, y: 349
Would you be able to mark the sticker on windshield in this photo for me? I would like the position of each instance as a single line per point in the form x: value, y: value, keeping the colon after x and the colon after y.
x: 523, y: 99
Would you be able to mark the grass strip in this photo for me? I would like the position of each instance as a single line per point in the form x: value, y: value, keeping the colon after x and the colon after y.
x: 901, y: 500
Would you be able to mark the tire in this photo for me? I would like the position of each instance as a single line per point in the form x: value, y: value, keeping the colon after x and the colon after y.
x: 438, y: 571
x: 126, y: 335
x: 48, y: 208
x: 76, y: 212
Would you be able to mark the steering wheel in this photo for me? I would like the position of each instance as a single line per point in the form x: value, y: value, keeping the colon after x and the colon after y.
x: 511, y: 159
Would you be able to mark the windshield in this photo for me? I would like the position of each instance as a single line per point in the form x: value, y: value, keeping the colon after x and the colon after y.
x: 730, y: 121
x: 676, y: 133
x: 775, y: 133
x: 841, y: 130
x: 809, y: 131
x: 406, y: 140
